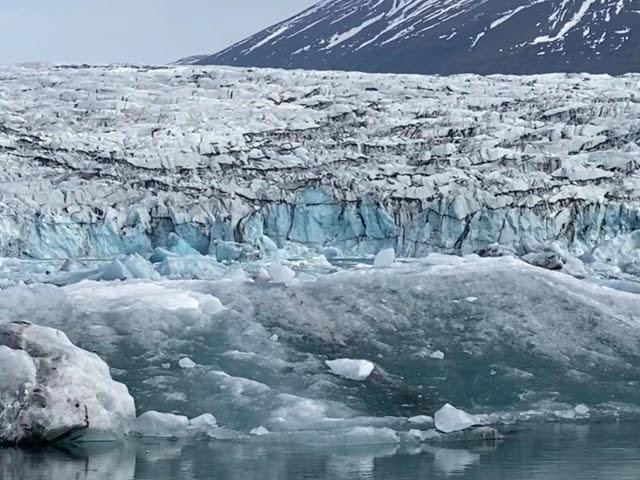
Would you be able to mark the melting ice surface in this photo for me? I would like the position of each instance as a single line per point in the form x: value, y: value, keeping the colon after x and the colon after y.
x: 498, y: 338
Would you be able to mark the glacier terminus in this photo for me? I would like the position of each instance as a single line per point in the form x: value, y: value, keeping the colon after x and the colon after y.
x: 315, y: 258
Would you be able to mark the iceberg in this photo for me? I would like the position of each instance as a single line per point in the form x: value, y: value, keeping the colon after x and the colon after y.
x: 358, y: 370
x: 52, y: 391
x: 260, y: 431
x: 186, y: 363
x: 384, y: 258
x: 450, y: 419
x: 281, y: 273
x: 160, y: 425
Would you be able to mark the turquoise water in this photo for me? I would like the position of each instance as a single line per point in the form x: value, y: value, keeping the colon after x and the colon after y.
x: 545, y: 452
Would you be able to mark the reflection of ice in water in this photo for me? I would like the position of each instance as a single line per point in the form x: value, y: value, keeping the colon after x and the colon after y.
x: 107, y: 461
x: 450, y: 461
x: 357, y: 463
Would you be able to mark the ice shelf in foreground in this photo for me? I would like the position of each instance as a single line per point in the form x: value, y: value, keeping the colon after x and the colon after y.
x: 51, y: 390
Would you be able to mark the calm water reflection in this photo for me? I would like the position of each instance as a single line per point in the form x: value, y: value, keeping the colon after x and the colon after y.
x: 550, y: 452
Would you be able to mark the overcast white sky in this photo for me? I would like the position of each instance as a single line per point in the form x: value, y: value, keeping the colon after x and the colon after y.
x: 137, y: 31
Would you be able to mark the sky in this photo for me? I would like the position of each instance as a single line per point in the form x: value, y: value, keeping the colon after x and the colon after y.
x: 133, y: 31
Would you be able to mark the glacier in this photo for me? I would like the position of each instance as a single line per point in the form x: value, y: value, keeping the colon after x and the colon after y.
x: 103, y: 162
x: 221, y: 237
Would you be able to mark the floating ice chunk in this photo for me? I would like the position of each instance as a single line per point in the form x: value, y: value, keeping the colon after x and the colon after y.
x: 177, y: 247
x: 132, y: 267
x: 547, y: 260
x: 200, y: 268
x: 160, y: 255
x: 421, y: 420
x: 139, y: 267
x: 358, y: 370
x: 166, y: 366
x: 260, y: 431
x: 202, y: 424
x: 566, y: 414
x: 450, y: 419
x: 71, y: 265
x: 262, y: 275
x: 160, y: 425
x: 582, y: 409
x: 281, y: 273
x: 274, y: 337
x: 471, y: 299
x: 371, y: 436
x: 136, y: 294
x: 298, y: 413
x: 385, y: 258
x: 51, y: 390
x: 187, y: 363
x: 181, y: 248
x: 422, y: 435
x: 228, y: 251
x: 437, y: 355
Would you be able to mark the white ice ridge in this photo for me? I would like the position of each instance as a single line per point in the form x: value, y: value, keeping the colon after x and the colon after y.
x: 176, y: 162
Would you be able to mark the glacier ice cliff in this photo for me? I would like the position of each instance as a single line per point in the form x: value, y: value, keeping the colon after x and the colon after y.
x: 110, y: 161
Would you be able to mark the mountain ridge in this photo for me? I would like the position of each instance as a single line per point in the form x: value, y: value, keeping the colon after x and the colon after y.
x: 447, y: 37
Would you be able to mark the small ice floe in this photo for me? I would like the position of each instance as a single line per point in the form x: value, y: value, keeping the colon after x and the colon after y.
x: 422, y: 435
x: 437, y: 355
x: 385, y: 258
x: 582, y: 409
x: 281, y: 273
x: 202, y: 424
x: 187, y: 363
x: 471, y: 299
x: 166, y: 366
x: 262, y: 275
x: 421, y: 420
x: 260, y: 431
x: 160, y: 425
x: 450, y: 419
x: 358, y: 370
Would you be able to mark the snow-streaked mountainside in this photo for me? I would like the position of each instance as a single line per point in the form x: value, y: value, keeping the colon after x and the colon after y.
x: 449, y: 36
x: 101, y: 162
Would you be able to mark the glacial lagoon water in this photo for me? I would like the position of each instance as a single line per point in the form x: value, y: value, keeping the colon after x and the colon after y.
x: 545, y: 451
